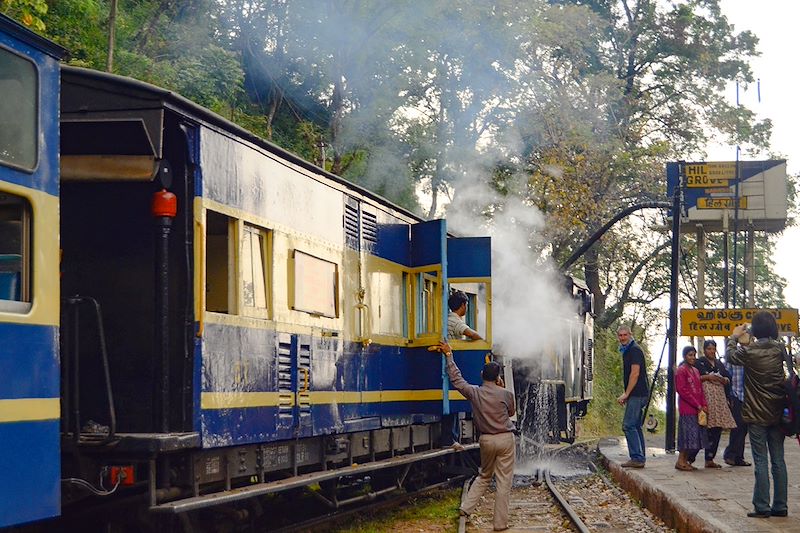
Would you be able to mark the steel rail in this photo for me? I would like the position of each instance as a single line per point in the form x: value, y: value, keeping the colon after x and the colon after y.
x: 573, y: 516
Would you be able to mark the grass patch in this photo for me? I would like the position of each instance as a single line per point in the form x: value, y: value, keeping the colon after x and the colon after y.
x: 437, y: 511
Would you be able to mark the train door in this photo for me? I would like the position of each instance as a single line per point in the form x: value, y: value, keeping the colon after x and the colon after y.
x: 469, y: 268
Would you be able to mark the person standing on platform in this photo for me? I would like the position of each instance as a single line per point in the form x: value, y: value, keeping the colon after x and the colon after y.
x: 634, y: 398
x: 492, y: 408
x: 734, y: 452
x: 716, y: 381
x: 764, y: 399
x: 691, y: 402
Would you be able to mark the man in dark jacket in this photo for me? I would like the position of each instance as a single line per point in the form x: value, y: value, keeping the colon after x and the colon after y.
x: 634, y: 380
x: 764, y: 399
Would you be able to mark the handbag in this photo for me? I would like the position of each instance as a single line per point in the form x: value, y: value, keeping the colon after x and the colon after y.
x: 702, y: 418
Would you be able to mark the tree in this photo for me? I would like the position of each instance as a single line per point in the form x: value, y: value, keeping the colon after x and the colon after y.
x: 623, y: 87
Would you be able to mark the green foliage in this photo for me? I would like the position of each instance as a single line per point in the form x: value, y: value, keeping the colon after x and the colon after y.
x: 29, y: 12
x: 437, y: 511
x: 605, y: 414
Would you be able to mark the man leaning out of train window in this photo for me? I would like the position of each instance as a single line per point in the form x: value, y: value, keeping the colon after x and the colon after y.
x: 456, y: 326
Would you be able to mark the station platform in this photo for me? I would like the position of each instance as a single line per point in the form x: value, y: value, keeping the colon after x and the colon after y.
x: 705, y: 500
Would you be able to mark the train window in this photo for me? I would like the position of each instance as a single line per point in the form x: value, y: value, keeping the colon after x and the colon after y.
x: 18, y: 111
x: 254, y: 266
x: 15, y: 253
x: 219, y: 262
x: 428, y: 309
x: 387, y: 297
x: 477, y: 305
x: 316, y: 285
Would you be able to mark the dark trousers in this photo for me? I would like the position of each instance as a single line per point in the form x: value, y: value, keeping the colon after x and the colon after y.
x: 712, y: 443
x: 735, y: 450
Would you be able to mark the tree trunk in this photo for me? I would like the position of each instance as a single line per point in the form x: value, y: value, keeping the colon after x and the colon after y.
x: 438, y: 176
x: 112, y: 34
x: 274, y: 105
x: 337, y: 117
x: 593, y: 279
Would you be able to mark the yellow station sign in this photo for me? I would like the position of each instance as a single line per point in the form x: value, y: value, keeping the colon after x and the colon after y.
x: 720, y: 203
x: 720, y: 322
x: 710, y: 175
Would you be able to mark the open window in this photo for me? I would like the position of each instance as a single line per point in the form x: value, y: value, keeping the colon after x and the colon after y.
x: 477, y: 305
x: 220, y: 263
x: 15, y: 254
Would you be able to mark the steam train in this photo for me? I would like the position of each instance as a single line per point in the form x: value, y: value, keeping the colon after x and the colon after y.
x: 192, y: 318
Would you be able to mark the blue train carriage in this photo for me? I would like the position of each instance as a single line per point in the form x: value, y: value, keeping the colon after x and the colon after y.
x: 236, y: 313
x: 29, y: 359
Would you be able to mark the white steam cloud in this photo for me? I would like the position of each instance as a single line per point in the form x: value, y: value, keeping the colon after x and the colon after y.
x: 531, y: 310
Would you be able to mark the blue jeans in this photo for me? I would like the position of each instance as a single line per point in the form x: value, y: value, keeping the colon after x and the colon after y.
x: 632, y: 427
x: 761, y: 439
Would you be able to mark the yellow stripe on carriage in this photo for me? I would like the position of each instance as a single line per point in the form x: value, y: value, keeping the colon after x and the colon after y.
x: 240, y: 400
x: 29, y: 409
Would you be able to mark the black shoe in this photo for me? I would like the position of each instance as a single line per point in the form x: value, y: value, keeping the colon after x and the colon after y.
x: 779, y: 513
x: 756, y: 514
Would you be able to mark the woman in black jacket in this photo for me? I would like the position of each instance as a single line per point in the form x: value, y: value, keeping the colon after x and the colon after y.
x: 764, y: 400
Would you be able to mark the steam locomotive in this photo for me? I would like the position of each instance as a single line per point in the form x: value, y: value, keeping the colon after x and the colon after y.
x: 192, y: 317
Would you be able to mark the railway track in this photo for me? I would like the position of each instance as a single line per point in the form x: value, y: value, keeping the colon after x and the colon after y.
x: 562, y: 490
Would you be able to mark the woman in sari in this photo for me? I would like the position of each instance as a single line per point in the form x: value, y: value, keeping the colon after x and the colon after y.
x: 691, y: 401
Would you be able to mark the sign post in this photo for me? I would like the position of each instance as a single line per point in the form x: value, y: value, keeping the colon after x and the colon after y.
x: 677, y: 194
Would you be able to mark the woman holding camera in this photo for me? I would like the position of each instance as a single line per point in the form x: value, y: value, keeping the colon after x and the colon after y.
x: 764, y: 400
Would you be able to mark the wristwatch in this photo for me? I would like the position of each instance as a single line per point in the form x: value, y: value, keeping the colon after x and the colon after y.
x: 449, y: 354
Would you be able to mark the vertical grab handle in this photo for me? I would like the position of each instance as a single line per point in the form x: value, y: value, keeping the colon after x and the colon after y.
x: 362, y: 311
x: 200, y: 265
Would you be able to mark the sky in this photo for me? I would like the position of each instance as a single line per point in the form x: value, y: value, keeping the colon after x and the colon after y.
x: 774, y: 22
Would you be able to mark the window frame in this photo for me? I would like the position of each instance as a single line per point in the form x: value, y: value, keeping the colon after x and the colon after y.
x: 232, y: 271
x: 486, y: 342
x: 244, y: 228
x: 37, y: 114
x: 414, y: 300
x: 25, y: 303
x: 293, y: 285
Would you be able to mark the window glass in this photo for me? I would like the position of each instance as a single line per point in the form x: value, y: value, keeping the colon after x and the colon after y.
x: 18, y: 111
x: 219, y: 229
x: 315, y: 285
x: 427, y: 285
x: 253, y: 261
x: 387, y: 295
x: 15, y: 253
x: 477, y: 311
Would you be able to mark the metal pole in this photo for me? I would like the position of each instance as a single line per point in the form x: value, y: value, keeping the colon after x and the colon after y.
x: 669, y: 444
x: 736, y: 232
x: 701, y: 272
x: 725, y: 277
x: 749, y: 265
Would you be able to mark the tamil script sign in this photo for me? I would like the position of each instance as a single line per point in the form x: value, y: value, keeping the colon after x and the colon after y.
x: 720, y: 203
x: 720, y: 322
